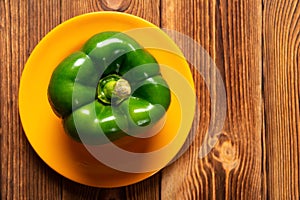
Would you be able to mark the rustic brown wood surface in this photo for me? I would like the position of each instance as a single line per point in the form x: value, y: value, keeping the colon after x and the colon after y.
x: 255, y: 45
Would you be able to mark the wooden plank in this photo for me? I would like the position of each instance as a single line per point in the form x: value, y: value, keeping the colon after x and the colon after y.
x: 281, y: 97
x: 149, y: 188
x: 230, y: 31
x: 23, y: 174
x: 70, y: 189
x: 148, y: 10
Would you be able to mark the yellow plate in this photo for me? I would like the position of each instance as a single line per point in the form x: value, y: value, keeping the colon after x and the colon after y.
x: 44, y: 130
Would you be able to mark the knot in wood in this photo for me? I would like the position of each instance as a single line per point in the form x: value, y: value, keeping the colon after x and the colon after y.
x: 226, y: 152
x: 228, y: 155
x: 115, y: 5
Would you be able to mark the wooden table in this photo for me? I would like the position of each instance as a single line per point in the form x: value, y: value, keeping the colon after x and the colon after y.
x: 256, y: 46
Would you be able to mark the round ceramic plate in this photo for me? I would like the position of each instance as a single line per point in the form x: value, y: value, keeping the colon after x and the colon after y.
x: 44, y: 129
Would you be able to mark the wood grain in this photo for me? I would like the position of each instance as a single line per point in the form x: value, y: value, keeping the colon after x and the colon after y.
x: 255, y: 45
x: 21, y: 170
x: 281, y: 94
x: 230, y: 31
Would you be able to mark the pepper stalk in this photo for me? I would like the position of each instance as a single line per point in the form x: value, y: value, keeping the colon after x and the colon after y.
x: 113, y: 89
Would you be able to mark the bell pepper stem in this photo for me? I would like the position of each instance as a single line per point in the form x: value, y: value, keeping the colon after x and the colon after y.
x: 113, y: 87
x: 122, y: 88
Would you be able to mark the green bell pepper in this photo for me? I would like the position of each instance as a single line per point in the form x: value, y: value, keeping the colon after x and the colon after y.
x: 109, y: 88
